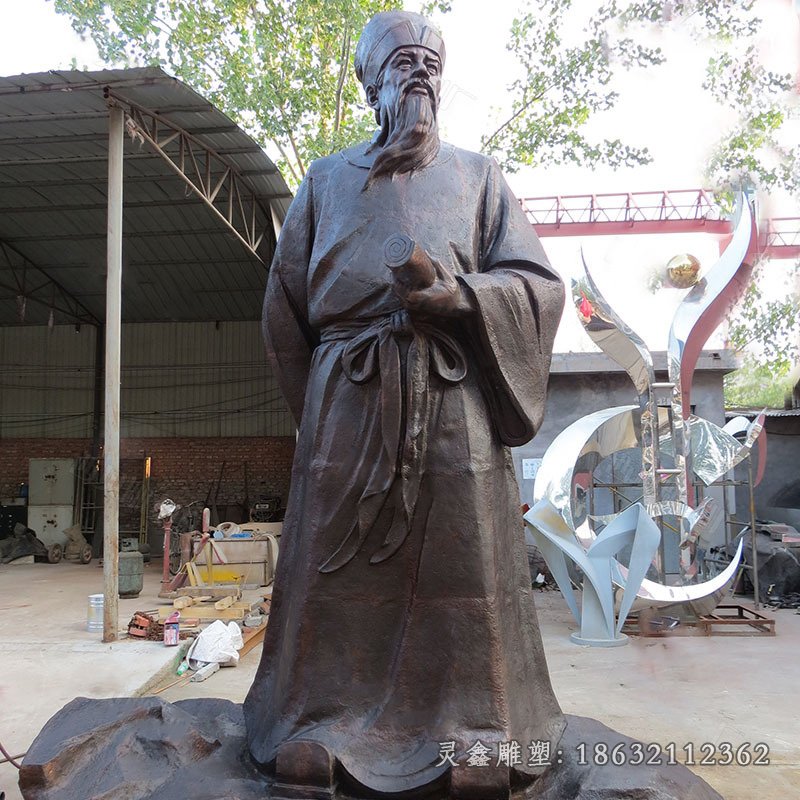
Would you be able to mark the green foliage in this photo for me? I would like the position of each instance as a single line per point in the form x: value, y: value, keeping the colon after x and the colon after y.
x: 282, y: 69
x: 566, y: 83
x: 563, y: 86
x: 756, y: 385
x: 770, y: 324
x: 722, y: 19
x: 758, y: 150
x: 767, y: 333
x: 429, y: 8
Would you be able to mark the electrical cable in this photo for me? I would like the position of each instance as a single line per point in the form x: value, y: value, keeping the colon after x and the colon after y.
x: 88, y: 385
x: 9, y: 758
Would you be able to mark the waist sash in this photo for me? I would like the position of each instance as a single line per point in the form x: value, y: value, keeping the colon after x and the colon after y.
x: 373, y: 349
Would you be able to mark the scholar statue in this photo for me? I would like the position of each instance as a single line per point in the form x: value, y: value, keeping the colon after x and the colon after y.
x: 409, y: 318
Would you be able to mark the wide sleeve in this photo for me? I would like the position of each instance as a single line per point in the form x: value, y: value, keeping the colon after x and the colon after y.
x: 518, y: 300
x: 289, y: 338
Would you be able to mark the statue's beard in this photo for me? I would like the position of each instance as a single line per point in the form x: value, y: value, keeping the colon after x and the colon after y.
x: 409, y: 136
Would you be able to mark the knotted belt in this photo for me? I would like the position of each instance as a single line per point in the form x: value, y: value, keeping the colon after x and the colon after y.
x: 374, y: 349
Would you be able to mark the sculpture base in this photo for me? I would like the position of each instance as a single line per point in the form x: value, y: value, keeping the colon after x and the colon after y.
x: 140, y: 748
x: 618, y: 642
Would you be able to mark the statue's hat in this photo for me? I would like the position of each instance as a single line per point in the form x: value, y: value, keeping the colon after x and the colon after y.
x: 385, y: 33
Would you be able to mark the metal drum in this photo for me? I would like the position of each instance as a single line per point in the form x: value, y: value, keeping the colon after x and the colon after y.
x: 131, y: 574
x: 94, y: 613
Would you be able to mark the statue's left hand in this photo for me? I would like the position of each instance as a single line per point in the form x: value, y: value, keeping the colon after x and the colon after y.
x: 444, y: 297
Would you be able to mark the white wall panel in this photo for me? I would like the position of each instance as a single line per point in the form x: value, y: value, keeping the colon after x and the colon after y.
x: 178, y: 379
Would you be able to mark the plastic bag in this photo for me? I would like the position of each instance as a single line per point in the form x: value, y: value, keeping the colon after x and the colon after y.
x: 218, y: 643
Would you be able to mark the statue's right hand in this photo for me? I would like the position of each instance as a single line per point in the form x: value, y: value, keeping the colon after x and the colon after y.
x: 443, y: 297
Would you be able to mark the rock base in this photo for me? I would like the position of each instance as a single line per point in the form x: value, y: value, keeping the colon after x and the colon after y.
x: 584, y: 774
x: 147, y: 749
x: 137, y: 748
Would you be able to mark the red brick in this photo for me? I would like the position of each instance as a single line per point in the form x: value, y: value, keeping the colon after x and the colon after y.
x: 182, y: 469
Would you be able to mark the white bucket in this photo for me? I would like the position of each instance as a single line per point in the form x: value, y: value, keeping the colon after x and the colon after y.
x: 94, y: 614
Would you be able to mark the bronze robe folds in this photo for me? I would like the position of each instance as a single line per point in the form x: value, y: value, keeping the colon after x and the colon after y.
x: 402, y: 614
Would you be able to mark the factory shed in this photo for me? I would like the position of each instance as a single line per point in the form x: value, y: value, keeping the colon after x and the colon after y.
x: 202, y: 201
x: 137, y: 224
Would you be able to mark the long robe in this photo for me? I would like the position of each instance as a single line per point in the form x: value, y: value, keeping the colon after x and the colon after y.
x: 402, y: 614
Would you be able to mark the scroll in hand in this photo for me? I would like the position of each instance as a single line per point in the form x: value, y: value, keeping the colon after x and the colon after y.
x: 421, y: 282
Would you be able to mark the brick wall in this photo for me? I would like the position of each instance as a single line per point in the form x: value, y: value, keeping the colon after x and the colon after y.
x: 14, y: 455
x: 182, y: 469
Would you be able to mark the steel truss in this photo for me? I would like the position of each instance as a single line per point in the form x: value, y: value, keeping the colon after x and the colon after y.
x: 31, y: 284
x: 207, y: 174
x: 625, y: 212
x: 783, y: 237
x: 683, y: 211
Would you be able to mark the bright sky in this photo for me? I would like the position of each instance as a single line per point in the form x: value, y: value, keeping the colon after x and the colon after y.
x: 663, y: 108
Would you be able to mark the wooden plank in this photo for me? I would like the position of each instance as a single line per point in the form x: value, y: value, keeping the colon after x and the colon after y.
x: 209, y: 549
x: 226, y: 602
x: 742, y: 617
x: 191, y: 571
x: 208, y: 614
x: 252, y: 638
x: 185, y: 601
x: 237, y: 611
x: 215, y: 592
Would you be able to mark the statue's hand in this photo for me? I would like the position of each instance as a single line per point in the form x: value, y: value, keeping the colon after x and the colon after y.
x: 444, y: 297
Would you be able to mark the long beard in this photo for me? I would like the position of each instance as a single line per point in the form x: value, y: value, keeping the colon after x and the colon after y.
x: 409, y: 137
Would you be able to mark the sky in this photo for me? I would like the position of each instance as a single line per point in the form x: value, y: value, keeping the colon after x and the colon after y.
x: 663, y: 108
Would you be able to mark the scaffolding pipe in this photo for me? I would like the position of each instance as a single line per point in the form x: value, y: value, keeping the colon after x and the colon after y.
x: 116, y: 130
x: 753, y: 535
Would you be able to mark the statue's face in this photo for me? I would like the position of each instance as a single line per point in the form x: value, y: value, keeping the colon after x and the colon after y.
x: 409, y: 70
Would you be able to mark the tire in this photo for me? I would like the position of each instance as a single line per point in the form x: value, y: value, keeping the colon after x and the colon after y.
x: 54, y: 553
x: 85, y: 554
x: 175, y: 559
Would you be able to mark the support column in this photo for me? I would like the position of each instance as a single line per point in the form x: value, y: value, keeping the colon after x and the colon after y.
x: 97, y: 395
x: 116, y: 130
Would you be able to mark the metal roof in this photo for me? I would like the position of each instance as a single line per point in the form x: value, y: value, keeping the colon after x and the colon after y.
x: 181, y: 261
x: 722, y: 360
x: 768, y: 412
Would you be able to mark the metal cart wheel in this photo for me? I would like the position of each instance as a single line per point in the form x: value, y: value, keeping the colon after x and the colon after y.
x: 174, y: 553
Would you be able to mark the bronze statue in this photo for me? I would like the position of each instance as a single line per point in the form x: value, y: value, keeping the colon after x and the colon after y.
x: 409, y: 317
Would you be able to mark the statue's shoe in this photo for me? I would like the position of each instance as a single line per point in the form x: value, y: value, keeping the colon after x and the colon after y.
x: 303, y: 771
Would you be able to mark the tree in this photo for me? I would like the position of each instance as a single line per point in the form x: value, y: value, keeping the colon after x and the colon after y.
x: 565, y: 83
x: 765, y: 332
x: 567, y: 80
x: 282, y: 69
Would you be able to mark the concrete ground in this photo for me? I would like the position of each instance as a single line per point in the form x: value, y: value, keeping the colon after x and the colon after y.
x: 48, y: 657
x: 686, y: 690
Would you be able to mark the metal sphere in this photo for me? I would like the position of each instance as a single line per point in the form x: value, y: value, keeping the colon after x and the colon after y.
x: 683, y: 271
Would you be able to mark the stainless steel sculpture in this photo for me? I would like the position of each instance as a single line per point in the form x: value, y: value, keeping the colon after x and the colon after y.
x: 634, y: 528
x: 660, y: 426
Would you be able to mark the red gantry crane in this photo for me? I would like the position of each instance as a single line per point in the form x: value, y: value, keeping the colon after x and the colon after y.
x: 674, y: 211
